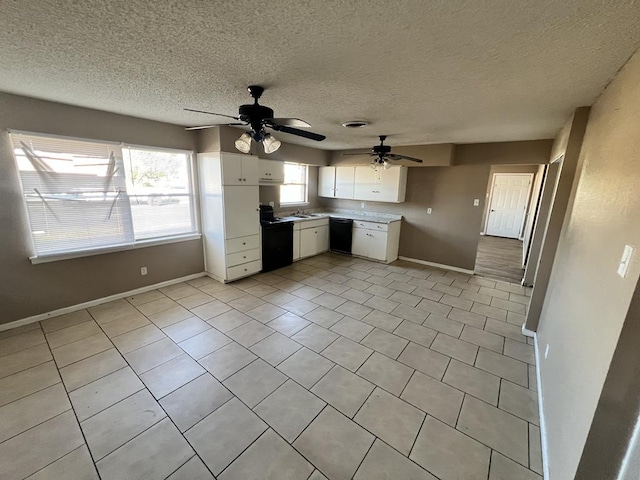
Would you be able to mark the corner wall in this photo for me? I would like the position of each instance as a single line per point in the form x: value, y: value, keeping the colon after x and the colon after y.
x: 26, y: 289
x: 587, y: 302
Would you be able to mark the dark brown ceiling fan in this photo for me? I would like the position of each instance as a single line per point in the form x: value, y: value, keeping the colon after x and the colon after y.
x: 259, y: 118
x: 382, y: 154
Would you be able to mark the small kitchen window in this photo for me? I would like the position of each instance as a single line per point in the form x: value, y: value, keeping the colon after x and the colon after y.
x: 294, y: 191
x: 85, y: 197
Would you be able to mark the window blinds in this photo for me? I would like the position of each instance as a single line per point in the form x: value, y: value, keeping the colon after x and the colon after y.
x: 79, y: 194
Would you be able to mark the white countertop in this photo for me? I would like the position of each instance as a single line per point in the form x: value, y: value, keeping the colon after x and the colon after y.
x: 361, y: 216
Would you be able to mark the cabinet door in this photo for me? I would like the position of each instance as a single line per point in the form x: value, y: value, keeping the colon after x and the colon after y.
x: 360, y: 242
x: 322, y: 238
x: 296, y: 244
x: 345, y: 181
x: 377, y: 245
x: 307, y: 242
x: 271, y: 171
x: 231, y: 169
x: 241, y: 211
x: 389, y: 184
x: 250, y: 170
x: 365, y: 183
x: 326, y: 182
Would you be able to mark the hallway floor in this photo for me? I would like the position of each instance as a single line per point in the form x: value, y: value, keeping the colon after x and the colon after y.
x: 500, y: 259
x: 333, y: 368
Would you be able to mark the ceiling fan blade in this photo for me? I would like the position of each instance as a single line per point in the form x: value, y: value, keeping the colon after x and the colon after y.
x: 201, y: 127
x: 211, y: 113
x: 394, y: 156
x: 361, y: 154
x: 287, y: 122
x: 301, y: 133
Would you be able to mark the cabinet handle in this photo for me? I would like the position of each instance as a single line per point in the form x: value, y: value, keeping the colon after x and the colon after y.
x: 244, y: 243
x: 244, y: 256
x: 245, y: 269
x: 239, y: 179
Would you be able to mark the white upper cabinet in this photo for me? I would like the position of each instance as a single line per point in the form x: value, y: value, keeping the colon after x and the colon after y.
x: 271, y: 172
x: 345, y: 182
x: 336, y: 182
x: 380, y: 185
x: 239, y: 169
x: 327, y: 182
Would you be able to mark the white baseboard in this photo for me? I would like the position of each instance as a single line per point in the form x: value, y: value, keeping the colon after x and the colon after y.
x: 437, y: 265
x: 97, y: 301
x: 528, y: 333
x: 543, y: 423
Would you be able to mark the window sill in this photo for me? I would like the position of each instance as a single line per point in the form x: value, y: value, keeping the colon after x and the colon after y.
x: 119, y: 248
x: 297, y: 204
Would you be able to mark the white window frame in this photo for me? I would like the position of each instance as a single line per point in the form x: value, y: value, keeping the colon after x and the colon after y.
x: 305, y: 202
x: 136, y: 244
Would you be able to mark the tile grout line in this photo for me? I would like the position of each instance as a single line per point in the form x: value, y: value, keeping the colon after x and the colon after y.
x: 75, y: 414
x: 159, y: 405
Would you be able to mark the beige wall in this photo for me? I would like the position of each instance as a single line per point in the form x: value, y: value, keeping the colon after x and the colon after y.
x: 563, y: 190
x: 27, y: 289
x: 449, y: 235
x: 503, y: 153
x: 587, y: 302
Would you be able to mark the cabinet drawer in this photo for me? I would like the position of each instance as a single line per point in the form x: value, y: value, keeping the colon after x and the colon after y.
x: 242, y: 243
x: 381, y: 227
x: 234, y: 259
x: 314, y: 223
x: 244, y: 270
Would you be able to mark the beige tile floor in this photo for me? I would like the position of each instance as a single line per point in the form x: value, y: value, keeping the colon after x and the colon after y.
x: 333, y: 368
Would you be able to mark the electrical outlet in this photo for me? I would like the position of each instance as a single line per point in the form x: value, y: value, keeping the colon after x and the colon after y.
x: 429, y: 211
x: 476, y: 202
x: 272, y: 204
x: 362, y: 205
x: 143, y: 270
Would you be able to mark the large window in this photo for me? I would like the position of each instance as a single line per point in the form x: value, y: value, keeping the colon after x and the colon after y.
x: 86, y: 195
x: 294, y: 189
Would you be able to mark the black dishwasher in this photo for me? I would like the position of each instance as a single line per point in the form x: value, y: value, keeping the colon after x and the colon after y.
x: 340, y: 231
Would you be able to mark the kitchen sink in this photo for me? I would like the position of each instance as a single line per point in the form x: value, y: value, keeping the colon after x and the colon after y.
x: 302, y: 216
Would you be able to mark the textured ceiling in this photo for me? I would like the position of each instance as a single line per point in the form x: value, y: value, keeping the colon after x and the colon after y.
x: 420, y: 71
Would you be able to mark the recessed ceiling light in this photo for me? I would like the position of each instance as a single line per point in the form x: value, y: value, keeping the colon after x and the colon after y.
x: 355, y: 124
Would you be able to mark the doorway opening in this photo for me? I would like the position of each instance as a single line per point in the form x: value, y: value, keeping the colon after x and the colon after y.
x: 511, y: 206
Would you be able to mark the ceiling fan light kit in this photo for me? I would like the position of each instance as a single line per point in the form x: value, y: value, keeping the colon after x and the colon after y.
x: 244, y: 143
x: 259, y: 118
x: 270, y: 143
x: 382, y: 154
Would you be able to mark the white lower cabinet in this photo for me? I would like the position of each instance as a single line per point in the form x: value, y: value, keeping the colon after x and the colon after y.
x: 296, y: 243
x: 377, y: 241
x: 314, y: 238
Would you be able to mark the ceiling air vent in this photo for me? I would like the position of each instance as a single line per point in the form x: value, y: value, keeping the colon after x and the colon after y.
x: 355, y: 124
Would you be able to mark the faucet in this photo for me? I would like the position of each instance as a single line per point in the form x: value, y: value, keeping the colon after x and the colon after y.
x: 298, y: 212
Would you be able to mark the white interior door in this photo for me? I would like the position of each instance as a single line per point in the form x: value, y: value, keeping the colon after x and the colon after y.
x: 509, y: 198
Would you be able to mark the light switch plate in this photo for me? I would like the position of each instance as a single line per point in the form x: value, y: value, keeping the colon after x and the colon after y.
x: 476, y: 202
x: 625, y: 261
x: 429, y: 210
